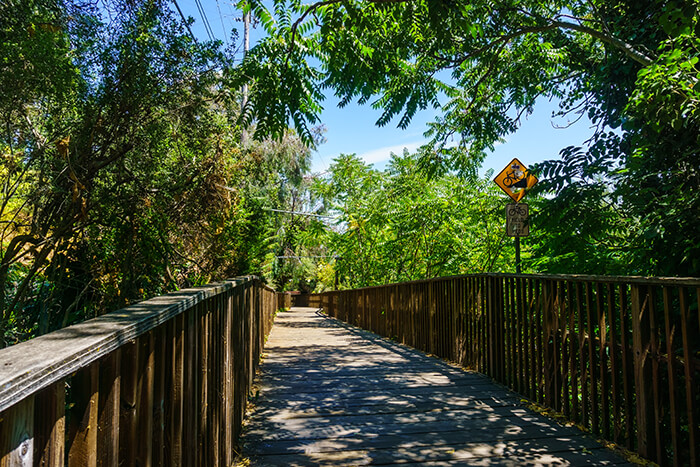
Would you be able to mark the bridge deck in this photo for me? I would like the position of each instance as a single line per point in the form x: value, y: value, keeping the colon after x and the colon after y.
x: 331, y: 394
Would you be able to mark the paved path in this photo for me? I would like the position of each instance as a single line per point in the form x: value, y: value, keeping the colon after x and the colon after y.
x: 331, y: 394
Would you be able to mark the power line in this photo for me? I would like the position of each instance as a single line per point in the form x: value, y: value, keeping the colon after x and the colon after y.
x: 184, y: 20
x: 205, y: 20
x: 221, y: 17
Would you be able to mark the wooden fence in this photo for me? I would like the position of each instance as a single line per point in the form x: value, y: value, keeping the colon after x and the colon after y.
x: 162, y: 382
x: 620, y: 356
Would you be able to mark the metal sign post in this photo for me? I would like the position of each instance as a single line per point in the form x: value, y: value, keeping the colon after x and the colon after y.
x: 517, y: 225
x: 515, y: 180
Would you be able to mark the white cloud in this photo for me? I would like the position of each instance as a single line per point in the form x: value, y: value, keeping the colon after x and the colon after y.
x: 383, y: 154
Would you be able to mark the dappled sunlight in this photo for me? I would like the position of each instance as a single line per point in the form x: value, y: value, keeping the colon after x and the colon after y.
x: 331, y: 394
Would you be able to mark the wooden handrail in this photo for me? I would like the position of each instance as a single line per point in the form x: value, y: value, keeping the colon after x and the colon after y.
x: 179, y: 366
x: 617, y: 355
x: 681, y: 281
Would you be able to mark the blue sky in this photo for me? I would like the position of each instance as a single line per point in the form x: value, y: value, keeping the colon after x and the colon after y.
x: 352, y: 129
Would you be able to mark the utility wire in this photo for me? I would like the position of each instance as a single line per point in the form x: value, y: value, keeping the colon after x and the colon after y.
x: 205, y: 20
x: 184, y: 20
x: 221, y: 17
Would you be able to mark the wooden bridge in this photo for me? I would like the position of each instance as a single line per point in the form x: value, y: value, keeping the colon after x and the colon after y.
x: 167, y: 381
x: 332, y: 394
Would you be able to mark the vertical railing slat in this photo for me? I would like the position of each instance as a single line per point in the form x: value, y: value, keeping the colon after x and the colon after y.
x: 128, y: 423
x: 50, y: 424
x: 592, y: 366
x: 108, y: 413
x: 146, y: 374
x: 17, y: 435
x: 642, y: 371
x: 159, y: 396
x: 689, y: 372
x: 627, y: 372
x: 614, y: 371
x: 82, y: 430
x: 603, y: 361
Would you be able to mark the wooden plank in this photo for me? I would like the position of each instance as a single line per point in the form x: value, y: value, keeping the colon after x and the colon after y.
x: 227, y: 389
x: 689, y: 372
x: 529, y: 342
x: 160, y: 394
x: 17, y: 435
x: 50, y: 426
x: 385, y: 416
x: 592, y: 364
x: 173, y: 383
x: 582, y: 278
x: 565, y: 407
x: 479, y: 317
x: 82, y: 429
x: 108, y: 410
x: 603, y: 361
x: 501, y: 328
x: 214, y: 375
x: 512, y: 324
x: 30, y: 366
x: 145, y: 394
x: 583, y: 369
x: 191, y: 393
x: 556, y: 305
x: 204, y: 396
x: 128, y: 417
x: 627, y: 371
x: 539, y: 341
x: 572, y: 385
x: 642, y: 372
x: 489, y: 331
x: 670, y: 349
x: 520, y: 330
x: 614, y: 370
x: 660, y: 436
x: 530, y: 339
x: 549, y: 349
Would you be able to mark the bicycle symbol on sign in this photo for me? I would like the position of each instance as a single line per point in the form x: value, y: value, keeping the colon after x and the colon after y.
x: 515, y: 178
x: 517, y: 210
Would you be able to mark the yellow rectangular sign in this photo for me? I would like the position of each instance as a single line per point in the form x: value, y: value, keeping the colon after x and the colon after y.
x: 515, y: 180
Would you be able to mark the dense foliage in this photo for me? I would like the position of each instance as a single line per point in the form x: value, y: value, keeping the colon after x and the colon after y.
x: 398, y: 224
x: 630, y: 66
x: 123, y: 174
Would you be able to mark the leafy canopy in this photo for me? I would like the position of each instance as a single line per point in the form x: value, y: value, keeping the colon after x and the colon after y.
x: 630, y: 66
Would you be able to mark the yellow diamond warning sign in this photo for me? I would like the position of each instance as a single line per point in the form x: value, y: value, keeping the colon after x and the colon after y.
x: 515, y: 180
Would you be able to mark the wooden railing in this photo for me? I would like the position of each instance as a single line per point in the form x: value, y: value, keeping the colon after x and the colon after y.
x: 161, y: 382
x: 620, y: 356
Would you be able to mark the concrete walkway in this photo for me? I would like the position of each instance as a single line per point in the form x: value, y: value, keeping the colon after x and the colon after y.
x: 331, y: 394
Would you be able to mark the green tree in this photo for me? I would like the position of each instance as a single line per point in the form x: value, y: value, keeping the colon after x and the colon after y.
x: 630, y: 66
x: 123, y: 172
x: 399, y: 224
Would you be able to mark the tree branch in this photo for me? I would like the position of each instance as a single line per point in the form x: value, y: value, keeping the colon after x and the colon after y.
x: 635, y: 54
